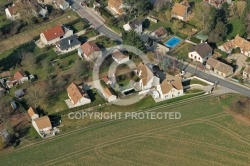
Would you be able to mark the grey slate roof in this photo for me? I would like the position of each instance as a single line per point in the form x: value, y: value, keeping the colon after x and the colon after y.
x: 19, y: 93
x: 135, y: 23
x: 68, y: 42
x: 202, y: 49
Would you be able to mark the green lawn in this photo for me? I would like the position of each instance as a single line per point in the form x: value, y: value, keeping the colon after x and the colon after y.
x: 182, y: 51
x: 154, y: 26
x: 234, y: 27
x: 194, y: 81
x: 81, y: 25
x: 3, y: 20
x: 203, y: 131
x: 91, y: 33
x: 190, y: 91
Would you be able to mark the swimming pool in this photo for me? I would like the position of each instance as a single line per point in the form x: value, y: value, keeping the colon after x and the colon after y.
x: 172, y: 42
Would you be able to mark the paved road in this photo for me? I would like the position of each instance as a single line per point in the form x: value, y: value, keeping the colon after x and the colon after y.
x: 94, y: 20
x: 223, y: 82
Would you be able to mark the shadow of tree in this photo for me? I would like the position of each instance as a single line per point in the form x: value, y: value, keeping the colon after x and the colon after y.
x: 14, y: 58
x: 92, y: 94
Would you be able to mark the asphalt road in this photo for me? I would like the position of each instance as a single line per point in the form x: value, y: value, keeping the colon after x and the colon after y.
x: 93, y: 19
x: 214, y: 79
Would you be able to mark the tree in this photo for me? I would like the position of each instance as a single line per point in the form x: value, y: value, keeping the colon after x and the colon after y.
x: 3, y: 143
x: 165, y: 64
x: 37, y: 94
x: 29, y: 60
x: 151, y: 56
x: 131, y: 38
x: 168, y: 14
x: 177, y: 25
x: 159, y: 4
x: 138, y: 7
x: 81, y: 69
x: 5, y: 111
x: 206, y: 15
x: 218, y: 33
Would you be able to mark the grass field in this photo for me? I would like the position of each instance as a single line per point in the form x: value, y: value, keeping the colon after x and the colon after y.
x: 28, y: 35
x: 234, y: 27
x: 182, y: 51
x: 205, y: 135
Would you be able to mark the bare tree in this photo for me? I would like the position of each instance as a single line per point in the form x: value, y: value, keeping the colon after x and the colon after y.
x: 37, y: 94
x: 29, y: 60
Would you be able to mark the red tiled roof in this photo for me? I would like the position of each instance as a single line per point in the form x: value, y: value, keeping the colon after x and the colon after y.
x: 13, y: 10
x: 19, y: 75
x: 53, y: 33
x: 89, y: 48
x: 76, y: 93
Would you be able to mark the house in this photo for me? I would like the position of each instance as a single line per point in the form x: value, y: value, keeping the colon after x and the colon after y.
x: 32, y: 114
x: 238, y: 41
x: 218, y: 67
x: 119, y: 57
x: 109, y: 95
x: 159, y: 33
x: 63, y: 4
x: 53, y: 35
x: 155, y: 94
x: 200, y: 52
x: 170, y: 87
x: 116, y: 6
x: 135, y: 25
x: 147, y: 77
x: 21, y: 77
x: 12, y: 12
x: 38, y: 9
x: 89, y: 51
x: 46, y: 1
x: 68, y: 44
x: 181, y: 10
x: 77, y: 95
x: 43, y: 126
x: 107, y: 80
x: 19, y: 93
x: 217, y: 3
x: 246, y: 73
x: 11, y: 82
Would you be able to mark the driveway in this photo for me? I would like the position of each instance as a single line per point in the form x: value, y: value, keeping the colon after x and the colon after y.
x: 40, y: 44
x: 240, y: 62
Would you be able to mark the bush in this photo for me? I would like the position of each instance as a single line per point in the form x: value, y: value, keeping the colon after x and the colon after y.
x: 107, y: 15
x: 181, y: 35
x: 236, y: 50
x: 67, y: 54
x: 248, y: 59
x: 195, y: 40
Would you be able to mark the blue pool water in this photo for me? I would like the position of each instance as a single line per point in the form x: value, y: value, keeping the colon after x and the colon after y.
x: 173, y: 42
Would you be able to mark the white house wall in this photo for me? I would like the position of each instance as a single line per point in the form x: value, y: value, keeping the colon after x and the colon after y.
x: 112, y: 98
x: 83, y: 101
